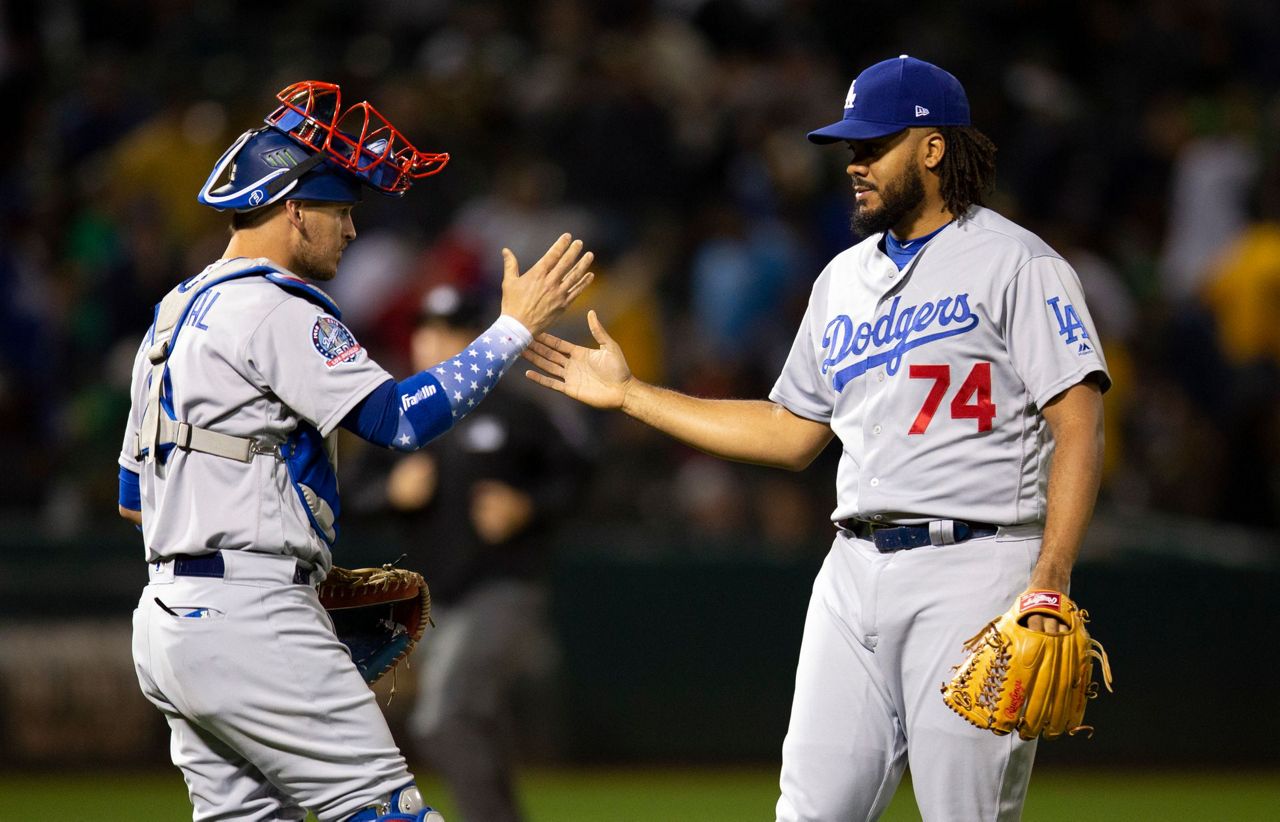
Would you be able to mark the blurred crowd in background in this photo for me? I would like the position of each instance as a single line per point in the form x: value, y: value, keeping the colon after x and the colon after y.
x: 1138, y: 138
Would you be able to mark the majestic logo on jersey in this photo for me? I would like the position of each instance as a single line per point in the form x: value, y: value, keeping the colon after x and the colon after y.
x: 897, y: 329
x: 334, y: 342
x: 1070, y: 326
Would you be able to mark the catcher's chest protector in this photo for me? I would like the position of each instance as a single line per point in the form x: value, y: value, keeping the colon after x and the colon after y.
x: 310, y: 458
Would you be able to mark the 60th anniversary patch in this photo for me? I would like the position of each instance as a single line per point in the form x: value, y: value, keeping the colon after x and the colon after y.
x: 334, y: 342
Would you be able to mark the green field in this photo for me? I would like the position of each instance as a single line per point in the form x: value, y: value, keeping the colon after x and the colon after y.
x: 698, y: 795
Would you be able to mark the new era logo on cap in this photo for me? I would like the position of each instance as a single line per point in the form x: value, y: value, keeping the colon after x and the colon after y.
x: 895, y: 94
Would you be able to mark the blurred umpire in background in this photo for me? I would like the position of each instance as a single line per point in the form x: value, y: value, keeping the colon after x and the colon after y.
x: 481, y: 508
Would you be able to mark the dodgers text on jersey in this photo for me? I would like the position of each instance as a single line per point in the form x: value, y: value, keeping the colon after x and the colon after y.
x: 895, y: 329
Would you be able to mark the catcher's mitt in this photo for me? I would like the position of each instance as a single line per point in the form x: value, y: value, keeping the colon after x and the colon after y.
x: 1036, y: 683
x: 378, y: 613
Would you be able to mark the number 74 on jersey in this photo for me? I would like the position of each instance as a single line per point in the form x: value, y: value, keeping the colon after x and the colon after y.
x: 972, y: 401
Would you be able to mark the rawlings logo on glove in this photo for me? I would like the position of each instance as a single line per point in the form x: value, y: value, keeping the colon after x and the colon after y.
x: 1041, y: 599
x: 1032, y: 682
x: 378, y: 613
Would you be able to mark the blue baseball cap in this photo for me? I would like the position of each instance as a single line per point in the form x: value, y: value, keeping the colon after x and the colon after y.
x: 895, y: 94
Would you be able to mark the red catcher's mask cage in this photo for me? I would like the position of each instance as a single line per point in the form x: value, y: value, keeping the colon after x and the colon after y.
x: 359, y: 139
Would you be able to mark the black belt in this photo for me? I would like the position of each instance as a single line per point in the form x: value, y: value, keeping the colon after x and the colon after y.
x: 212, y: 565
x: 890, y: 538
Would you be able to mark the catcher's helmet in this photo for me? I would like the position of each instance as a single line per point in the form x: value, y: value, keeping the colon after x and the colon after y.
x: 313, y: 150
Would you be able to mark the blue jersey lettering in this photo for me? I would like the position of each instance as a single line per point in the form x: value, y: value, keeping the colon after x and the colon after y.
x: 895, y: 328
x: 200, y: 309
x: 1069, y: 321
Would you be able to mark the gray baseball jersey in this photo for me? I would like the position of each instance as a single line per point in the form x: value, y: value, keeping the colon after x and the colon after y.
x: 933, y: 377
x: 254, y: 360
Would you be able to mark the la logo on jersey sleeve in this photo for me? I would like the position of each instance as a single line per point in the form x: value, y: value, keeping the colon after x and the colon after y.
x: 334, y: 342
x: 1070, y: 326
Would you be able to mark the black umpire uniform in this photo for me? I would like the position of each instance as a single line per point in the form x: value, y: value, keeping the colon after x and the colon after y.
x: 489, y: 591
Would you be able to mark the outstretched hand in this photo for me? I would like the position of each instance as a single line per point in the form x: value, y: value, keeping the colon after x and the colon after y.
x: 598, y: 377
x: 538, y: 297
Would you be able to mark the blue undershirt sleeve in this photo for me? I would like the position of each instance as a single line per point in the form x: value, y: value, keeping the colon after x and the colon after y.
x: 408, y: 414
x: 403, y: 415
x: 130, y: 494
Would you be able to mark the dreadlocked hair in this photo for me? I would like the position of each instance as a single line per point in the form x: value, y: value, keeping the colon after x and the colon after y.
x: 967, y: 172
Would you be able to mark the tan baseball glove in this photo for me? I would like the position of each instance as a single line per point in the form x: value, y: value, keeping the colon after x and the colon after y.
x: 1017, y: 679
x: 378, y: 613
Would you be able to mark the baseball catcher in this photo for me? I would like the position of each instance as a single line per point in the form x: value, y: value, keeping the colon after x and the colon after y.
x: 1016, y: 678
x: 228, y: 464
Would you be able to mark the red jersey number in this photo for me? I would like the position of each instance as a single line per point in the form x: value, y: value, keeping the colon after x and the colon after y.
x: 971, y: 402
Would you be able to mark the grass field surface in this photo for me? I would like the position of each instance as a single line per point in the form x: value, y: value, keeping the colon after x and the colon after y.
x: 695, y: 795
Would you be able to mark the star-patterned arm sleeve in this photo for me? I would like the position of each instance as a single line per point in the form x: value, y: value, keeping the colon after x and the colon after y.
x: 469, y: 376
x: 406, y: 415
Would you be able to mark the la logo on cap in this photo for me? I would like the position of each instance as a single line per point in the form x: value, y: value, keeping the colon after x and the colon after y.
x: 897, y: 94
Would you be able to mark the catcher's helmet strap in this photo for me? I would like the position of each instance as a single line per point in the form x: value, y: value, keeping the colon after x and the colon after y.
x: 278, y: 185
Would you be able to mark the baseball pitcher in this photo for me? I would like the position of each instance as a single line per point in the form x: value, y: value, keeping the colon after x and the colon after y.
x: 952, y: 353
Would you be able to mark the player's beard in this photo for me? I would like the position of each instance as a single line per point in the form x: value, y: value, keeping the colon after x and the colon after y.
x: 897, y: 200
x: 314, y: 263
